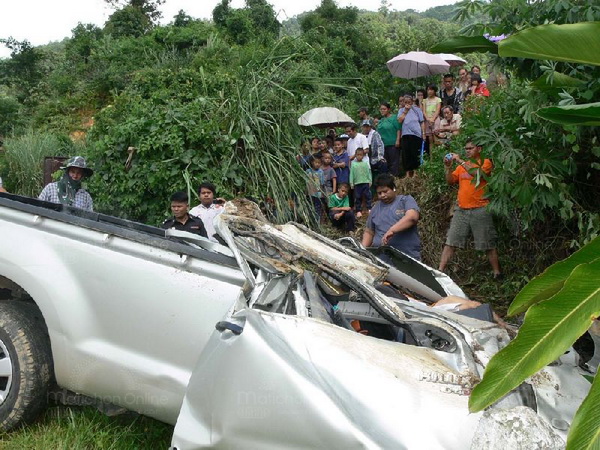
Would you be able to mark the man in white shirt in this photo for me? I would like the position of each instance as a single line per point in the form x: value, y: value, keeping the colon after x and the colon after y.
x: 208, y: 208
x: 356, y: 140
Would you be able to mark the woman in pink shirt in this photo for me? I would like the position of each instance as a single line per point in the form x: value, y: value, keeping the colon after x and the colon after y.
x: 431, y: 110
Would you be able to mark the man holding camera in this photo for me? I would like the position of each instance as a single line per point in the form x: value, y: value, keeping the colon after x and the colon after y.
x: 471, y: 215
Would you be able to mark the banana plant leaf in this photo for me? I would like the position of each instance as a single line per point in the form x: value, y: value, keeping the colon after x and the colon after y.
x: 556, y: 80
x: 585, y: 429
x: 576, y: 42
x: 586, y: 114
x: 553, y: 278
x: 465, y: 44
x: 550, y: 328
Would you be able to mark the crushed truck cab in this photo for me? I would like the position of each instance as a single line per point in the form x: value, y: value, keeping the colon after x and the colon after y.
x: 275, y: 337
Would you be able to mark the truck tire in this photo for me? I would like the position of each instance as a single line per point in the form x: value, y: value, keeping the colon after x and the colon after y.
x: 26, y: 368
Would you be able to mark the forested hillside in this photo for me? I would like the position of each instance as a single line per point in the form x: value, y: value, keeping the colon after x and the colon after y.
x: 200, y: 100
x: 161, y: 108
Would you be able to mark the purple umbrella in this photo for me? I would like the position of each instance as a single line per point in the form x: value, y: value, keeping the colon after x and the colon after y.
x: 417, y: 64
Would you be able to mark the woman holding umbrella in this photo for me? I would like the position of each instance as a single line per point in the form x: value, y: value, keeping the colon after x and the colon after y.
x: 413, y: 134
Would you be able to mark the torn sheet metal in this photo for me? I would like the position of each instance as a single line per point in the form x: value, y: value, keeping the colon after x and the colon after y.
x: 301, y: 250
x: 559, y: 390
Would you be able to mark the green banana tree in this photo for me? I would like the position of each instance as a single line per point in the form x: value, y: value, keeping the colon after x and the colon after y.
x: 562, y: 302
x: 561, y: 305
x: 574, y: 43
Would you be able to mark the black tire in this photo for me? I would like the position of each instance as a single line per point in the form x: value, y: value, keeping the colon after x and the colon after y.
x: 25, y: 347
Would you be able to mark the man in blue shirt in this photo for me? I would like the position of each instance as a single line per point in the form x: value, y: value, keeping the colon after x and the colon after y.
x: 393, y: 220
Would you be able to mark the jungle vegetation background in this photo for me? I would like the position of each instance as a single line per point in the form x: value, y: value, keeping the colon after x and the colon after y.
x: 219, y: 100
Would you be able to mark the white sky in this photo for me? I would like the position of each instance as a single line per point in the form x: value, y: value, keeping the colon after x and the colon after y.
x: 42, y: 21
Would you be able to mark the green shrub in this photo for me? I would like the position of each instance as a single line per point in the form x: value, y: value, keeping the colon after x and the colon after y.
x: 9, y: 115
x: 24, y: 159
x: 242, y: 136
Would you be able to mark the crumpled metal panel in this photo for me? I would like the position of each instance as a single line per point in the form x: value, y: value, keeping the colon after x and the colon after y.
x: 516, y: 428
x: 291, y: 382
x: 291, y: 239
x: 559, y: 391
x: 297, y: 248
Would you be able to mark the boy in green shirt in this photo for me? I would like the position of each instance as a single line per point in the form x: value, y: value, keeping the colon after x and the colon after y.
x: 360, y: 181
x: 340, y: 213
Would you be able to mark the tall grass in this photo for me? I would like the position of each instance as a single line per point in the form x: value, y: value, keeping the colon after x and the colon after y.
x: 263, y: 109
x: 24, y: 158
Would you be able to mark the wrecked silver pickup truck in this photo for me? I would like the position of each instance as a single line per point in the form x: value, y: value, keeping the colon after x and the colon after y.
x: 277, y: 338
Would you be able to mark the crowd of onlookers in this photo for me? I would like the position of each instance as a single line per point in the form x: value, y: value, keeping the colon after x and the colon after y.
x: 390, y: 143
x: 345, y: 171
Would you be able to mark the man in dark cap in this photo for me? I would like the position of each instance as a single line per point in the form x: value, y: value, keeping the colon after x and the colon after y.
x: 68, y: 190
x: 181, y: 219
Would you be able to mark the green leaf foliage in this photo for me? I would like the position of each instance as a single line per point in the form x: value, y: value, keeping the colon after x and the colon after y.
x: 570, y: 43
x: 129, y: 21
x: 550, y: 328
x: 586, y: 114
x: 237, y: 130
x: 557, y: 80
x: 585, y: 429
x: 553, y: 279
x: 465, y: 44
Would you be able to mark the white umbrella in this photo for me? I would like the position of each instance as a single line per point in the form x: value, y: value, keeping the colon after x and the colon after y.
x: 451, y: 59
x: 325, y: 117
x: 417, y: 64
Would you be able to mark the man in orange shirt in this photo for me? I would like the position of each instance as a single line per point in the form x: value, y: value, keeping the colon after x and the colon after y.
x: 471, y: 214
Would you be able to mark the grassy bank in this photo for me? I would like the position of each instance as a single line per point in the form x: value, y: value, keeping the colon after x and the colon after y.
x: 77, y: 428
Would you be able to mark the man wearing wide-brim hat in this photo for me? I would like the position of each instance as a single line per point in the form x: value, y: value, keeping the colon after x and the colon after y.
x: 67, y: 190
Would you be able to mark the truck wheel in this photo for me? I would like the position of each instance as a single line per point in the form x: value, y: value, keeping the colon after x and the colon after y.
x: 25, y: 363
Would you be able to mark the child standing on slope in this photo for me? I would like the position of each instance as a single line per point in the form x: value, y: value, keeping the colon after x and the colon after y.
x: 329, y: 174
x: 341, y: 162
x: 360, y: 181
x: 316, y: 186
